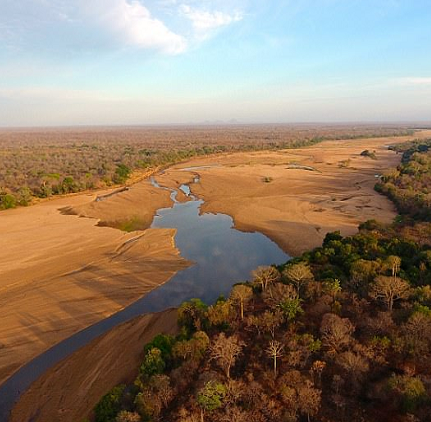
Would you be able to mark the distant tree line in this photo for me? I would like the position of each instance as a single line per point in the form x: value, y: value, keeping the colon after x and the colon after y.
x: 43, y: 164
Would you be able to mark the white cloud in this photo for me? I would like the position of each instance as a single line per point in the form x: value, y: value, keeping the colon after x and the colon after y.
x: 133, y: 23
x: 205, y: 21
x: 412, y: 81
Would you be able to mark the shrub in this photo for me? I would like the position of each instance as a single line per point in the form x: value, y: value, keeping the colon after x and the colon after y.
x: 109, y: 406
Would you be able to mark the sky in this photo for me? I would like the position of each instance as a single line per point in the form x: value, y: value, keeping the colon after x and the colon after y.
x: 140, y: 62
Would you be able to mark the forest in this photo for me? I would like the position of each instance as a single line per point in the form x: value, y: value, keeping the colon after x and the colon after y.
x: 41, y: 163
x: 409, y: 185
x: 341, y: 333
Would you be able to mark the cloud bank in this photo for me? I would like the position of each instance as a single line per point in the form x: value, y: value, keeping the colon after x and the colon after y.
x: 133, y: 23
x: 168, y: 27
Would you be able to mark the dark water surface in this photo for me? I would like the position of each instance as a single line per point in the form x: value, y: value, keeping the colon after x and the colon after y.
x: 222, y: 256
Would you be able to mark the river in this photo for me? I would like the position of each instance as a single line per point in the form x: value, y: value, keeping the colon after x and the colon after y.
x: 221, y: 257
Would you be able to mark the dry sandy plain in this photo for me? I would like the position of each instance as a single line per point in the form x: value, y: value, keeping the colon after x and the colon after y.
x: 60, y: 273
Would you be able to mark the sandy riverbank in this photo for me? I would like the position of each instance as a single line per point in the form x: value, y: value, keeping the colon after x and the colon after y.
x: 61, y: 273
x: 296, y: 207
x: 71, y: 389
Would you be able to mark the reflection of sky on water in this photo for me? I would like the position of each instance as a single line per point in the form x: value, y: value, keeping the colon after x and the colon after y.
x: 222, y: 255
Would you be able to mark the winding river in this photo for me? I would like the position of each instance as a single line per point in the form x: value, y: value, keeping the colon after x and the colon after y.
x: 221, y: 257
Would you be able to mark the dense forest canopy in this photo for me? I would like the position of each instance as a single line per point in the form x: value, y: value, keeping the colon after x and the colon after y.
x: 342, y: 333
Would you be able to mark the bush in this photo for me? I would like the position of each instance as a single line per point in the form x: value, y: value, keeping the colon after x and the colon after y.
x: 7, y: 200
x: 109, y: 406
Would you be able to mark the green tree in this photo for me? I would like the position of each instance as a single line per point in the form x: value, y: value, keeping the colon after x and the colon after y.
x: 192, y: 314
x: 291, y: 308
x: 211, y: 397
x: 153, y: 363
x: 109, y: 406
x: 122, y: 173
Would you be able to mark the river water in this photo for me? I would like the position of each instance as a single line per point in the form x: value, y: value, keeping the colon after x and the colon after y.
x: 221, y: 257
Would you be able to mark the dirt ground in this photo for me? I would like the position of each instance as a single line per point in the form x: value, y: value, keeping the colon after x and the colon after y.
x: 61, y: 273
x: 71, y: 389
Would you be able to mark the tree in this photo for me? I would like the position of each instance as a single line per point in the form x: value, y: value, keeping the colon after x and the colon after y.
x: 332, y: 288
x: 316, y: 369
x: 153, y: 363
x: 291, y: 308
x: 210, y: 397
x: 125, y: 416
x: 278, y: 293
x: 225, y: 351
x: 109, y: 405
x: 242, y: 295
x: 336, y: 332
x: 194, y: 348
x: 265, y: 276
x: 309, y: 399
x: 355, y: 364
x: 161, y: 385
x: 270, y: 321
x: 298, y: 275
x: 122, y: 172
x: 393, y: 263
x: 191, y: 314
x: 411, y: 391
x: 389, y: 290
x: 275, y: 351
x: 221, y: 313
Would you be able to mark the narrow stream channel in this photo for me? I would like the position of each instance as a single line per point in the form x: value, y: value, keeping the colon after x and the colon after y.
x: 221, y: 256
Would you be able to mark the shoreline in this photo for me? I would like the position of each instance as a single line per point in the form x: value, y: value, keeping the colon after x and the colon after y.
x: 74, y: 385
x: 248, y: 169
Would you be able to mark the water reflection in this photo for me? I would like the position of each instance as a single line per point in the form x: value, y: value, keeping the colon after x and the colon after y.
x: 222, y: 256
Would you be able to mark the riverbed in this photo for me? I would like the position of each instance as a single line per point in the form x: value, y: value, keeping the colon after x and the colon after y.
x: 221, y: 256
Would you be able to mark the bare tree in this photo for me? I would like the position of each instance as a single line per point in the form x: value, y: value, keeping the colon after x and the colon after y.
x: 316, y: 369
x: 241, y: 294
x: 336, y: 332
x: 393, y: 262
x: 355, y: 364
x: 309, y: 399
x: 278, y: 293
x: 275, y: 351
x: 225, y: 351
x: 265, y: 276
x: 161, y: 385
x: 389, y: 290
x: 270, y: 321
x: 298, y: 274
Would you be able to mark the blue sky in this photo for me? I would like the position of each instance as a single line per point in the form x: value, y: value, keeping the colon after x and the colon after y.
x: 82, y: 62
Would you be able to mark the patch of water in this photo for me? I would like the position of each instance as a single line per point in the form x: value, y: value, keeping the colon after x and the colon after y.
x: 221, y: 256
